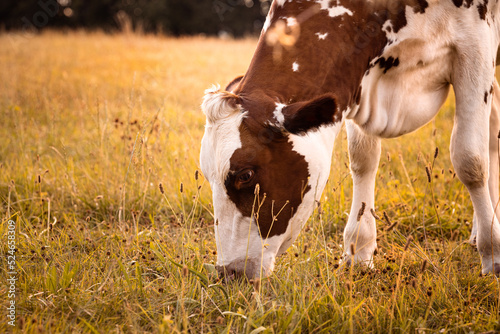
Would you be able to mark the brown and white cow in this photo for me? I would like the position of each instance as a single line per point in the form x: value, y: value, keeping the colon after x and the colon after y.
x: 385, y: 68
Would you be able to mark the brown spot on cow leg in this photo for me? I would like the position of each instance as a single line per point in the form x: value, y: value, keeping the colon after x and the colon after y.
x: 400, y: 21
x: 483, y: 9
x: 420, y: 8
x: 387, y: 64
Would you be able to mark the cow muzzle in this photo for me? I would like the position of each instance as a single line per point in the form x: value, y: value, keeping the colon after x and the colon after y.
x: 239, y: 269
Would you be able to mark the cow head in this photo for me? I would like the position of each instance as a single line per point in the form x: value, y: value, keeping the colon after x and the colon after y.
x: 267, y: 164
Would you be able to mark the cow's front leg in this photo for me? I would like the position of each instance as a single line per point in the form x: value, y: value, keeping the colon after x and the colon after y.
x: 470, y: 150
x: 360, y: 234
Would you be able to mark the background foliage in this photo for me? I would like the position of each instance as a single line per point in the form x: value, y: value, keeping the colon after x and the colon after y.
x: 175, y: 17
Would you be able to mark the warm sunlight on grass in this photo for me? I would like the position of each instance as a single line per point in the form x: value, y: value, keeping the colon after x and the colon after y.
x: 92, y: 124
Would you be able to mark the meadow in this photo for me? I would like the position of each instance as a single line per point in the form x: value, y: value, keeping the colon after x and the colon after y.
x: 92, y: 124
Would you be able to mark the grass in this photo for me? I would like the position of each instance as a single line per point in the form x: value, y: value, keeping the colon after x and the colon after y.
x: 91, y: 124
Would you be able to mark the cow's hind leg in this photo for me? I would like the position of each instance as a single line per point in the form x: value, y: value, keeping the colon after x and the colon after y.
x: 493, y: 155
x: 360, y: 233
x: 470, y: 153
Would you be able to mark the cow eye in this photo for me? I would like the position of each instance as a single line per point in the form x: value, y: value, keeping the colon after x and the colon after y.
x: 245, y: 176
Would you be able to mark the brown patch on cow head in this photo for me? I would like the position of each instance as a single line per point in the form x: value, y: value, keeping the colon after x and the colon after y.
x: 267, y: 159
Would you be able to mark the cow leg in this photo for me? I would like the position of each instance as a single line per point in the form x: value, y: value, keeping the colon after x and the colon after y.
x: 493, y: 154
x: 470, y: 153
x: 360, y: 233
x: 494, y: 133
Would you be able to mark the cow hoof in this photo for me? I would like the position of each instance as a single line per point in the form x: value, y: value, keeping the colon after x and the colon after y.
x: 495, y: 270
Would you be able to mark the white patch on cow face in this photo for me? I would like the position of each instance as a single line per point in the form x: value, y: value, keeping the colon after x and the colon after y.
x: 321, y: 36
x: 333, y: 11
x: 295, y: 67
x: 222, y: 136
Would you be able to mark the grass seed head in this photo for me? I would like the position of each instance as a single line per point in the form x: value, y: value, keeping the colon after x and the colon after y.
x: 374, y: 214
x: 428, y: 171
x: 161, y: 188
x: 353, y: 249
x: 386, y: 217
x: 424, y: 265
x: 392, y: 226
x: 436, y: 152
x: 361, y: 211
x: 410, y: 239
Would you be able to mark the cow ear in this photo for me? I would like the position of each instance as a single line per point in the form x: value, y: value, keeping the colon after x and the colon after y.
x: 232, y: 85
x: 302, y: 117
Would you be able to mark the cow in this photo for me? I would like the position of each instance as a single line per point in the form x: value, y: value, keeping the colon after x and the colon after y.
x: 381, y: 67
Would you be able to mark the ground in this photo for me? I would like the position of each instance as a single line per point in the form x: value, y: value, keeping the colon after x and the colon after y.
x: 99, y: 178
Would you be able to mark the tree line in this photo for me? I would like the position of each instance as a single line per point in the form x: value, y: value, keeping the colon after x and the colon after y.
x: 174, y: 17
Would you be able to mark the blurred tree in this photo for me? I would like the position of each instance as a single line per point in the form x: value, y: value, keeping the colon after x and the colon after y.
x: 175, y: 17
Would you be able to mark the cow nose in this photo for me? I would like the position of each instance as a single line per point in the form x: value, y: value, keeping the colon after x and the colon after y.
x: 228, y: 274
x: 237, y: 270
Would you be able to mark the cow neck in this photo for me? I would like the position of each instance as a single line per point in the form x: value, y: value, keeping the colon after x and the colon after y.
x: 331, y: 54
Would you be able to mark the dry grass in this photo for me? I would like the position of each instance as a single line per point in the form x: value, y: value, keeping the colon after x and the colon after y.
x: 91, y: 124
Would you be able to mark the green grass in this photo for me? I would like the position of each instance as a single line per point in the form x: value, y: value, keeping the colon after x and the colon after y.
x: 91, y: 124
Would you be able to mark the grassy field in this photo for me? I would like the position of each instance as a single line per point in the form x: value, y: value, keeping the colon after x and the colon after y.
x: 91, y: 124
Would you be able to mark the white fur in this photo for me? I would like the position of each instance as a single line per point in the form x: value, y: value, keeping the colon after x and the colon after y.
x: 295, y: 67
x: 333, y: 11
x: 278, y: 113
x: 321, y: 36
